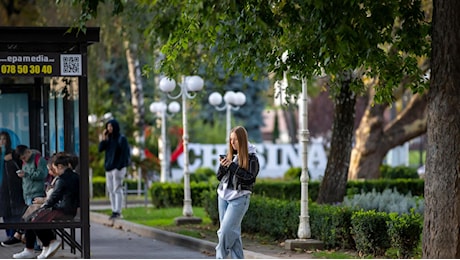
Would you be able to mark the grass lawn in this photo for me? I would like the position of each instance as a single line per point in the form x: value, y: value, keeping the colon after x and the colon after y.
x: 164, y: 219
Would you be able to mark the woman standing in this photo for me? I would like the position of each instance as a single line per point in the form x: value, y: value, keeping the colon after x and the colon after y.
x: 12, y: 204
x: 237, y: 174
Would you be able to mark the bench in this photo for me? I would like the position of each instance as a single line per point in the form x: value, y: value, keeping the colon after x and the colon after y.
x: 68, y: 235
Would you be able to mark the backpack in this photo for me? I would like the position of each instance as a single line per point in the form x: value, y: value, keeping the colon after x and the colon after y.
x: 48, y: 179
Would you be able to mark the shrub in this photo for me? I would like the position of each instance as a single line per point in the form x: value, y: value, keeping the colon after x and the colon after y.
x: 202, y: 174
x: 172, y: 194
x: 293, y: 174
x: 331, y: 225
x: 398, y: 172
x: 98, y: 186
x: 209, y: 199
x: 369, y: 230
x: 404, y: 231
x: 278, y: 219
x: 387, y: 201
x: 286, y: 190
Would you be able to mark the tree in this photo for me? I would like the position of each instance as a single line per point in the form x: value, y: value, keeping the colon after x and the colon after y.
x: 441, y: 236
x: 333, y: 186
x: 366, y: 38
x: 250, y: 114
x: 374, y: 138
x: 17, y: 13
x: 333, y: 43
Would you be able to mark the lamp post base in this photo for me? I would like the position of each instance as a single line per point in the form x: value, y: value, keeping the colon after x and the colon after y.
x: 309, y: 244
x: 187, y: 220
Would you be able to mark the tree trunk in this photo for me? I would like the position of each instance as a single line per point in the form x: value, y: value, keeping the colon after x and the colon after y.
x: 333, y: 186
x: 374, y: 139
x: 441, y: 231
x: 137, y: 94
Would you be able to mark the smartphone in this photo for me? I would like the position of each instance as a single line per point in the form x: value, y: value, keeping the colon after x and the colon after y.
x: 222, y: 156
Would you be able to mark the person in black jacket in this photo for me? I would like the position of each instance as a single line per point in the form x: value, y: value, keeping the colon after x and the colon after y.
x: 117, y: 158
x: 237, y: 174
x: 12, y: 203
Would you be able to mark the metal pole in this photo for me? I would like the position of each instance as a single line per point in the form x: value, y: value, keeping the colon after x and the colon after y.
x: 139, y: 181
x: 304, y: 231
x: 229, y: 108
x: 187, y: 210
x: 163, y: 148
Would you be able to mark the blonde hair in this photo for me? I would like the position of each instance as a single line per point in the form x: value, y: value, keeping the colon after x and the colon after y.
x: 243, y: 152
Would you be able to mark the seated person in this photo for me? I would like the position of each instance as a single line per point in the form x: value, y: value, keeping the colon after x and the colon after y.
x: 61, y: 204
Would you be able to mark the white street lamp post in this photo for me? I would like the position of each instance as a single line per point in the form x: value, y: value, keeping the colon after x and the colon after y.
x: 233, y: 101
x: 192, y: 84
x: 160, y: 109
x: 304, y: 231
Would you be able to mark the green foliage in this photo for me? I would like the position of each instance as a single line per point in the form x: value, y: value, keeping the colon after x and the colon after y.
x: 99, y: 186
x: 398, y: 172
x: 369, y: 231
x: 404, y: 186
x: 279, y: 219
x: 203, y: 174
x: 290, y: 190
x: 293, y: 174
x: 285, y: 190
x: 387, y: 201
x: 249, y: 115
x: 251, y: 37
x: 264, y: 217
x: 404, y: 231
x: 172, y: 194
x: 209, y: 198
x: 331, y: 225
x: 153, y: 217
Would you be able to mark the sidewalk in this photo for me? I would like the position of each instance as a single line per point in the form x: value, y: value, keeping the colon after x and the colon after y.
x: 252, y: 250
x: 121, y: 239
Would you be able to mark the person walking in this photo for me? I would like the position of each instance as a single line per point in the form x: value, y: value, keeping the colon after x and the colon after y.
x: 117, y: 158
x: 237, y: 174
x: 12, y: 204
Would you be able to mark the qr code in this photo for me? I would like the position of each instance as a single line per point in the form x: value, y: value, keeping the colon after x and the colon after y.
x: 71, y: 65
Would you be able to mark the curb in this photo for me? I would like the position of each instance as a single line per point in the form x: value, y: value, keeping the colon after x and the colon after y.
x: 204, y: 246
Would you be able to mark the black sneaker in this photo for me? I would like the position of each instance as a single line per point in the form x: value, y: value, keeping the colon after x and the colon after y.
x: 12, y: 241
x: 115, y: 215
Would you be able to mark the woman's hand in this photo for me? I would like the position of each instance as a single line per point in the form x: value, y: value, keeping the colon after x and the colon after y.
x: 39, y: 200
x: 225, y: 162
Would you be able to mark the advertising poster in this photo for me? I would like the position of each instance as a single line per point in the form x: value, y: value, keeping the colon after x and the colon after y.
x: 14, y: 117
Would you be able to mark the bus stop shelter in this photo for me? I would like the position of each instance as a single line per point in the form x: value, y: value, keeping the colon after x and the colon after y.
x: 44, y: 104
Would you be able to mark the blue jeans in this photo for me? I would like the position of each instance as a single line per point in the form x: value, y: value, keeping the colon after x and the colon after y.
x: 10, y: 232
x: 231, y: 215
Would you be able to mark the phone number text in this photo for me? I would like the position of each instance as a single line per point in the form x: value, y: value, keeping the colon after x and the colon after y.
x: 26, y: 69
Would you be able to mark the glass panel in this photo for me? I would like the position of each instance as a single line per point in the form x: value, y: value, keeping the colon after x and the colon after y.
x: 14, y: 117
x: 44, y: 117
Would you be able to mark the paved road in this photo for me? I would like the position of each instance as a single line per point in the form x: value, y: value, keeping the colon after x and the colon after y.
x: 112, y: 243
